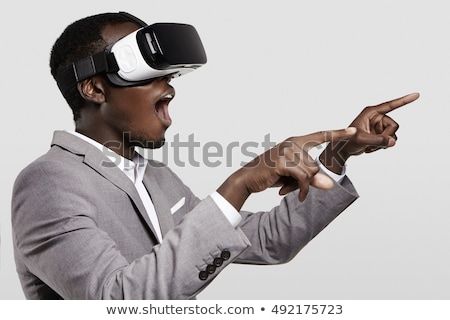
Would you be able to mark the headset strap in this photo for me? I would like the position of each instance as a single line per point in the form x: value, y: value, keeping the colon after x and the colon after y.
x: 80, y: 70
x: 134, y: 19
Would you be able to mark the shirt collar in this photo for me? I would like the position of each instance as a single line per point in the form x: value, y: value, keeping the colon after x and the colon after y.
x: 133, y: 169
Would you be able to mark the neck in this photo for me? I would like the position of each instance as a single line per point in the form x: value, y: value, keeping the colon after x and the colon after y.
x: 117, y: 145
x: 112, y: 139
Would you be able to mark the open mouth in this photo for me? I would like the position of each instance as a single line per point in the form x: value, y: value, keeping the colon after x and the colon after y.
x: 162, y: 109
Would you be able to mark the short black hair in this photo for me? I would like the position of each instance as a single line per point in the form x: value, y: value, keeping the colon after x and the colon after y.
x: 79, y: 40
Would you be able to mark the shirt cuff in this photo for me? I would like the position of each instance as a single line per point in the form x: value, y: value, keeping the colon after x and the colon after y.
x: 227, y: 209
x: 336, y: 177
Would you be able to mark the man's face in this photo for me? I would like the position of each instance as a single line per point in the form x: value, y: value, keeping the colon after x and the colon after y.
x: 138, y: 115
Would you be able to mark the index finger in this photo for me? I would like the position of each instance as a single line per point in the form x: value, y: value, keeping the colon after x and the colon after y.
x: 396, y: 103
x: 312, y: 140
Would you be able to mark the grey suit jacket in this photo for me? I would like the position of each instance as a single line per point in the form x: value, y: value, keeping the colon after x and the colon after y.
x: 80, y: 230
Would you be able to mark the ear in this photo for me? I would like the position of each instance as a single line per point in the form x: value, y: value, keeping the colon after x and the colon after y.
x: 92, y: 90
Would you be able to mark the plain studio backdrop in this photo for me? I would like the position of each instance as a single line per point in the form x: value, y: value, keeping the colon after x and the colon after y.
x: 277, y: 69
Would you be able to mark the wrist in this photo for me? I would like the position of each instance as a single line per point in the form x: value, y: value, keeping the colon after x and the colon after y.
x: 334, y: 157
x: 234, y: 190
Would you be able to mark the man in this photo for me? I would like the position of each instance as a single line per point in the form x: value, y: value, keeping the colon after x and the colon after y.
x: 92, y: 219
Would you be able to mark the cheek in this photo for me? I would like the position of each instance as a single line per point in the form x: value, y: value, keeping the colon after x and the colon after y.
x: 132, y: 109
x: 129, y: 105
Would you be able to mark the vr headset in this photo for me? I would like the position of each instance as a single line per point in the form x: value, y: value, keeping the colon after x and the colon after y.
x: 150, y: 52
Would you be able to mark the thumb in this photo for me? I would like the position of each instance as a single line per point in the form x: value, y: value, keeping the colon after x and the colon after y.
x: 322, y: 181
x: 375, y: 140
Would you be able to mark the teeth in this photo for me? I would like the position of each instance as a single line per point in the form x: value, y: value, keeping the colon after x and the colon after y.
x: 168, y: 96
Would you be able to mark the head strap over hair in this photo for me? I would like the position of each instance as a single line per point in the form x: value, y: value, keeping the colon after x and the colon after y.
x: 69, y: 76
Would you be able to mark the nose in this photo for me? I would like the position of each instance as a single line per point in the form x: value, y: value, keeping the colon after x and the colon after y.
x: 167, y: 78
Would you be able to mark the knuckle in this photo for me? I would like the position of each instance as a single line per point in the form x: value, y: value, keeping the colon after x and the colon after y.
x: 311, y: 164
x: 303, y: 175
x: 314, y: 170
x: 368, y: 109
x: 384, y: 140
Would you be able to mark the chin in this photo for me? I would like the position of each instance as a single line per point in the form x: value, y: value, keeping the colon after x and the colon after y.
x: 156, y: 144
x: 147, y: 142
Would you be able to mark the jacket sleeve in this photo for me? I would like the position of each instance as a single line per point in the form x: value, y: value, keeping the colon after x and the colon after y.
x: 278, y: 235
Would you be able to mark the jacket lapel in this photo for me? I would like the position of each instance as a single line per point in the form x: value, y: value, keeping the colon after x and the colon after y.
x: 95, y: 159
x: 159, y: 200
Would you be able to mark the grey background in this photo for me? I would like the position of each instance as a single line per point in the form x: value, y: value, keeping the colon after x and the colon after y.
x: 284, y: 68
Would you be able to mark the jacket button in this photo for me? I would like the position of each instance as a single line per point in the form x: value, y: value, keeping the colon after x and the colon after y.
x: 203, y: 275
x: 225, y: 255
x: 217, y: 262
x: 210, y: 269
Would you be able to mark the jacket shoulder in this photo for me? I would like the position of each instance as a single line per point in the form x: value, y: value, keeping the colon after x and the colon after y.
x: 55, y: 163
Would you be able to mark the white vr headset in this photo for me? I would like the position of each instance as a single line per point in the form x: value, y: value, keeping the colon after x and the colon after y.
x: 150, y: 52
